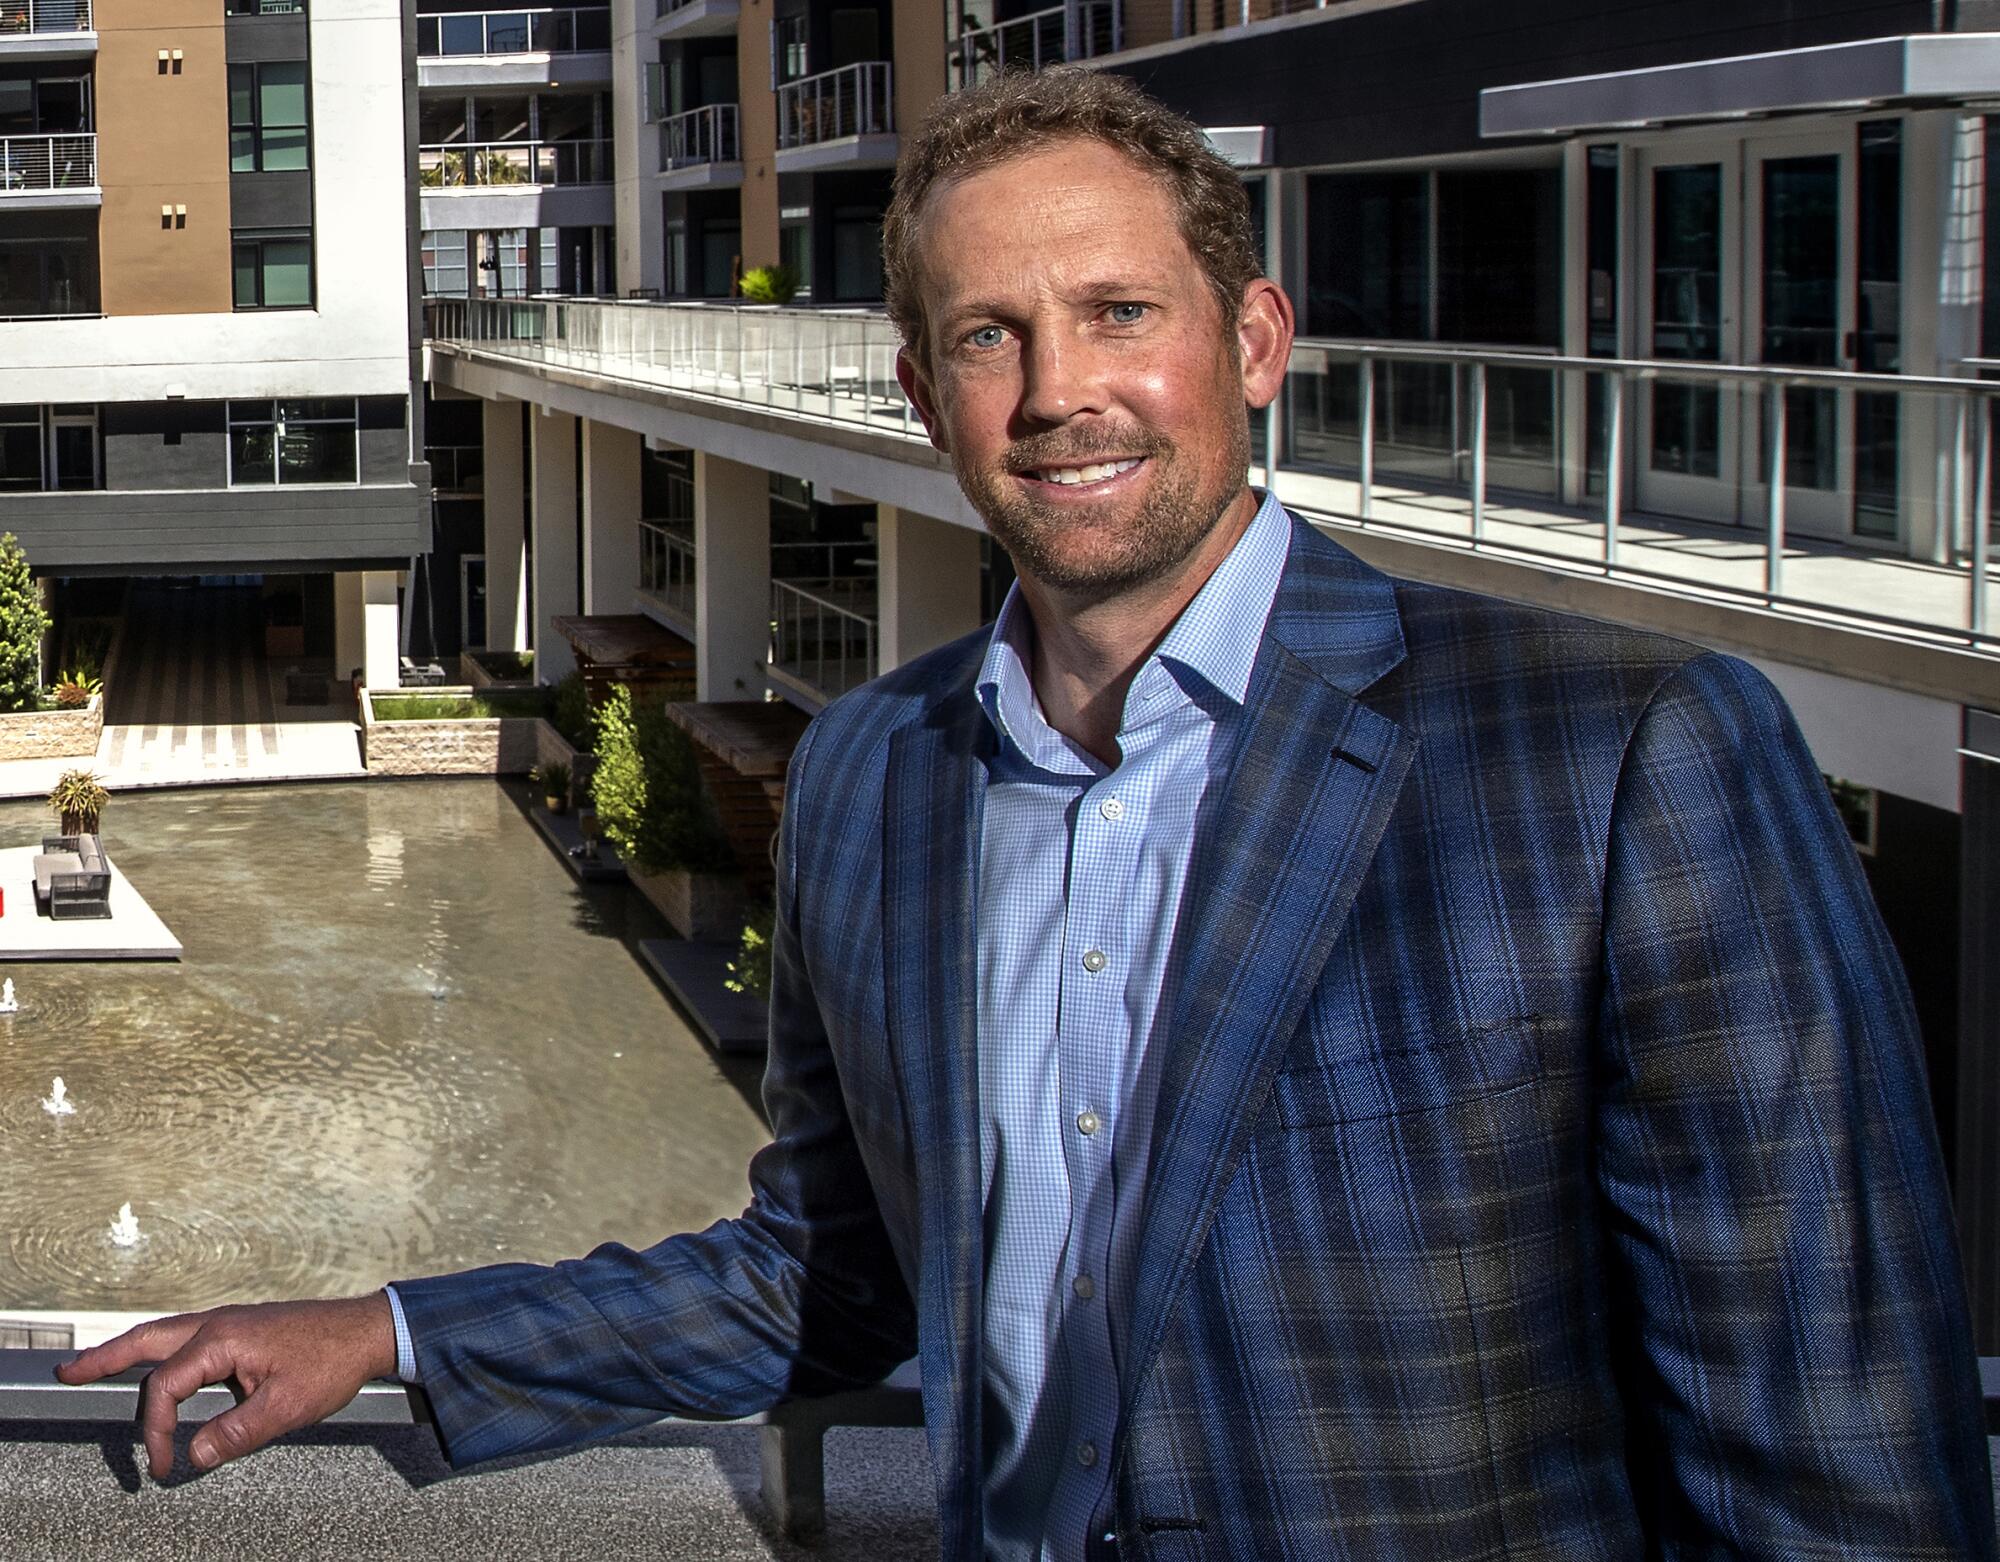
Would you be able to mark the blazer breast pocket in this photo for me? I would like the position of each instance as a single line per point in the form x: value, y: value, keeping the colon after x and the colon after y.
x: 1423, y: 1074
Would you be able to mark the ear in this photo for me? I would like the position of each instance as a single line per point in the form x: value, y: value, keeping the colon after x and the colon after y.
x: 917, y: 386
x: 1264, y: 341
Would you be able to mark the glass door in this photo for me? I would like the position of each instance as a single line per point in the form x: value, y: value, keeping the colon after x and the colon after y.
x: 1800, y: 241
x: 1688, y: 432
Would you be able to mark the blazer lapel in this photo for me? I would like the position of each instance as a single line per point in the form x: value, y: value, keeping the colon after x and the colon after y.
x: 1313, y: 779
x: 930, y: 823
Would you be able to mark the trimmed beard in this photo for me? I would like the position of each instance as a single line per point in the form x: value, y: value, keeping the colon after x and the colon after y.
x: 1171, y: 523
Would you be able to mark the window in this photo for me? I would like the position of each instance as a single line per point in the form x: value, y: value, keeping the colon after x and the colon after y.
x: 788, y: 49
x: 311, y: 441
x: 273, y: 268
x: 20, y: 449
x: 444, y: 262
x: 265, y: 8
x: 73, y: 447
x: 44, y: 449
x: 267, y: 117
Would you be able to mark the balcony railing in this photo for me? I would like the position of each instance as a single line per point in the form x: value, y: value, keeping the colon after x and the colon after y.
x: 1568, y: 461
x: 43, y: 16
x: 855, y: 100
x: 496, y: 164
x: 573, y: 31
x: 701, y: 135
x: 824, y: 634
x: 1080, y: 30
x: 667, y: 565
x: 30, y: 163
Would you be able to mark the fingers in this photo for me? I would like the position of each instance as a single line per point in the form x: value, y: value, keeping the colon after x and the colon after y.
x: 202, y: 1361
x: 153, y: 1341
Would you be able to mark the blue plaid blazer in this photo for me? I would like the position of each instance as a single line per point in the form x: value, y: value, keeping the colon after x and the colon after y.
x: 1544, y: 1167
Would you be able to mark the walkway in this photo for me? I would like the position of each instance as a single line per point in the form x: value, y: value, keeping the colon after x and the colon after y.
x: 191, y: 699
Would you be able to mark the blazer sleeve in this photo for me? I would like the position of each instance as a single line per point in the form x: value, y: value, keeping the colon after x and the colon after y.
x: 800, y: 1294
x: 1784, y: 1293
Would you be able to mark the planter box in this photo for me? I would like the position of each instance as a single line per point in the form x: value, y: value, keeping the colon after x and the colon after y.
x: 696, y: 905
x: 478, y: 677
x: 463, y: 746
x: 53, y: 734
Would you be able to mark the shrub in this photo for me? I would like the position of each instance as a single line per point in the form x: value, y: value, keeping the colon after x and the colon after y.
x: 750, y: 971
x: 23, y: 623
x: 78, y: 798
x: 648, y: 794
x: 570, y: 714
x: 75, y: 688
x: 769, y: 284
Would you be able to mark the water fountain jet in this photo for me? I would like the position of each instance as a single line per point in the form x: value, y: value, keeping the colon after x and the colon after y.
x: 125, y: 1229
x: 57, y: 1103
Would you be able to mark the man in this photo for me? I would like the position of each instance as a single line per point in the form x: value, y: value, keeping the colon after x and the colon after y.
x: 1314, y: 1066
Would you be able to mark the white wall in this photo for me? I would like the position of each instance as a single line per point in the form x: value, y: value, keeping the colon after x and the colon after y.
x: 1872, y: 735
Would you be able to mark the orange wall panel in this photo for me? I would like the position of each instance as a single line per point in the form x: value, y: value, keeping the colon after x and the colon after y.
x: 163, y: 140
x: 919, y: 44
x: 757, y: 126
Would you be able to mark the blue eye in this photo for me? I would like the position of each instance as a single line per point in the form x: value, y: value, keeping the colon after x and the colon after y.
x: 1126, y: 314
x: 987, y: 336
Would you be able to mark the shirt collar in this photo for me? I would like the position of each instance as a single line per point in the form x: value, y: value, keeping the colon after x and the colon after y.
x: 1215, y: 638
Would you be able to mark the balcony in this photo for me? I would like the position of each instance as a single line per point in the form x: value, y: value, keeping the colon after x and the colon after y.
x: 1080, y: 30
x: 841, y: 118
x: 48, y: 171
x: 1522, y: 472
x: 514, y: 48
x: 667, y: 571
x: 699, y: 149
x: 825, y: 636
x: 46, y: 29
x: 694, y: 18
x: 516, y: 184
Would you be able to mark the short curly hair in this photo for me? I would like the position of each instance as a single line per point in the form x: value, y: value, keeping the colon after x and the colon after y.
x: 1017, y: 113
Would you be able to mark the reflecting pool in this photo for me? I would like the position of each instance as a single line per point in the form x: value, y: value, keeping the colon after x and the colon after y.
x: 401, y: 1041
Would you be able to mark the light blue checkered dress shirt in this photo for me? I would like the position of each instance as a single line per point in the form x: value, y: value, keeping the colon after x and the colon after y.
x: 1081, y: 874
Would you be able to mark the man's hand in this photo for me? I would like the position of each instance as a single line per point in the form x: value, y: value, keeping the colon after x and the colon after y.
x: 294, y: 1362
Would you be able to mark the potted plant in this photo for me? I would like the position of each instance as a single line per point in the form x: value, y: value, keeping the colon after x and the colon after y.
x: 78, y: 799
x: 554, y: 779
x: 768, y: 284
x: 75, y: 689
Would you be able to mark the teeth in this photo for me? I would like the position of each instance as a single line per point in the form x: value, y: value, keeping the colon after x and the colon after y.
x: 1097, y: 473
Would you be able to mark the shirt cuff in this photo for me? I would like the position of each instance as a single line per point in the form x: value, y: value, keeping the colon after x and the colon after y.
x: 406, y: 1350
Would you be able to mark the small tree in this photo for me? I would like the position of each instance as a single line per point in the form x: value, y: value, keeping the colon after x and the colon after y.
x: 23, y: 624
x: 648, y: 794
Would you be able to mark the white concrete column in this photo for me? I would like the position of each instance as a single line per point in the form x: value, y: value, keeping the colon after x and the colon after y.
x: 732, y: 613
x: 506, y: 503
x: 350, y: 625
x: 928, y: 582
x: 611, y: 465
x: 552, y: 514
x: 381, y: 636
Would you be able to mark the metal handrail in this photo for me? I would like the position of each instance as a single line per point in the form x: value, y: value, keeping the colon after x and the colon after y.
x: 29, y: 1392
x: 806, y: 657
x: 668, y: 564
x: 65, y: 162
x: 515, y: 30
x: 701, y: 135
x: 854, y: 100
x: 44, y: 16
x: 1077, y: 30
x: 487, y: 164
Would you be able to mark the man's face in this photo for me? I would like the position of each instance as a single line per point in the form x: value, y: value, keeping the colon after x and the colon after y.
x: 1079, y: 372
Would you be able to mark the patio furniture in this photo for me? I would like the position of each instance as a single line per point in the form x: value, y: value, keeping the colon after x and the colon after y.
x: 73, y: 877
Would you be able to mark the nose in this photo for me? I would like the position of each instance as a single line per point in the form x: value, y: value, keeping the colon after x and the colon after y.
x: 1060, y: 379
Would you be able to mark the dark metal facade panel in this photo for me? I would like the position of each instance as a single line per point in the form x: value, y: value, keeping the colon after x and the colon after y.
x: 248, y: 39
x: 385, y: 455
x: 164, y: 444
x: 142, y: 533
x: 1405, y: 82
x: 1976, y: 1179
x: 272, y: 200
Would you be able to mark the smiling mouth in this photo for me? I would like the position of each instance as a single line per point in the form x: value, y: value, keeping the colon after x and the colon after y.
x: 1080, y: 476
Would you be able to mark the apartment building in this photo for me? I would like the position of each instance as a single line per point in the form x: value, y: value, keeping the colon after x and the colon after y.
x: 1674, y: 314
x: 208, y: 348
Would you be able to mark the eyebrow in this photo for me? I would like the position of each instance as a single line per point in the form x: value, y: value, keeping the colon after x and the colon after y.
x: 1095, y: 291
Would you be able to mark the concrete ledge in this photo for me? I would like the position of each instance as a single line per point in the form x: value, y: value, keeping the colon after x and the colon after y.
x: 565, y: 834
x: 694, y: 975
x: 133, y: 931
x: 52, y: 734
x: 460, y: 746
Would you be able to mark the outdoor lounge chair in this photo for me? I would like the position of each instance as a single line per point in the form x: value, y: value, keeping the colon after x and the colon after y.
x: 73, y: 877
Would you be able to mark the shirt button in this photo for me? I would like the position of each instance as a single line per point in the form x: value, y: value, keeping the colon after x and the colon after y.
x: 1086, y: 1455
x: 1111, y: 808
x: 1094, y: 961
x: 1086, y: 1123
x: 1083, y: 1287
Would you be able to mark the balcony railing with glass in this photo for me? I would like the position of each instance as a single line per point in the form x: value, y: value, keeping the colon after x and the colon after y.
x: 1523, y: 455
x: 667, y: 565
x: 701, y: 135
x: 43, y: 16
x: 824, y: 635
x: 498, y: 164
x: 855, y: 100
x: 1080, y: 30
x: 36, y: 163
x: 571, y: 31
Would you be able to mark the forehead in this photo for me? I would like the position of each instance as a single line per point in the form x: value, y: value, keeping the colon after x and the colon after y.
x: 1057, y: 212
